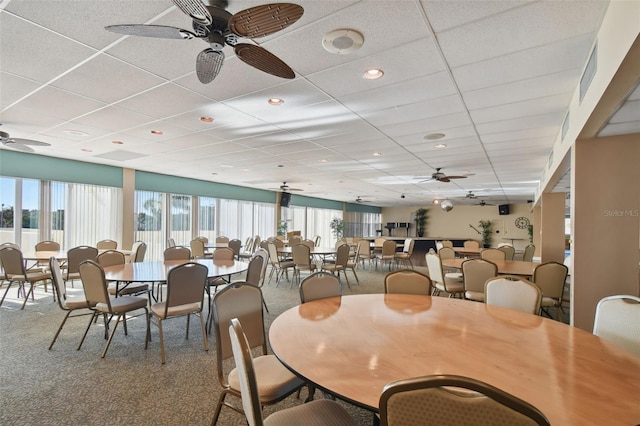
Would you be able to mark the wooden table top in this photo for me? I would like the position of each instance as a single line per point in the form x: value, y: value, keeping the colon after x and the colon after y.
x: 353, y: 346
x: 321, y: 251
x: 59, y: 254
x: 156, y: 271
x: 505, y: 267
x: 467, y: 252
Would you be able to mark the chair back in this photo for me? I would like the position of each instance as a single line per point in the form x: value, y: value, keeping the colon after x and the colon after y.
x: 256, y: 243
x: 47, y: 246
x: 364, y: 249
x: 177, y: 253
x: 408, y: 246
x: 342, y: 255
x: 222, y: 239
x: 446, y: 253
x: 301, y: 255
x: 295, y: 240
x: 171, y: 243
x: 476, y: 272
x: 94, y: 284
x: 235, y: 245
x: 493, y: 254
x: 471, y: 245
x: 448, y: 400
x: 185, y: 287
x: 205, y: 240
x: 248, y: 245
x: 197, y: 248
x: 12, y: 245
x: 12, y: 261
x: 254, y: 270
x: 224, y: 254
x: 514, y: 293
x: 319, y: 285
x: 618, y: 321
x: 309, y: 243
x: 389, y: 248
x: 378, y: 242
x: 407, y: 281
x: 529, y: 250
x: 274, y: 259
x: 447, y: 243
x: 111, y: 258
x: 551, y: 277
x: 58, y: 282
x: 79, y: 254
x: 278, y: 242
x: 434, y: 266
x: 316, y: 240
x: 139, y: 249
x: 243, y: 301
x: 246, y: 373
x: 509, y: 252
x: 264, y: 254
x: 107, y: 245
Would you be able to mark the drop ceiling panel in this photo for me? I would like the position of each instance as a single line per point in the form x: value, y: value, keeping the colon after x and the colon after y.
x: 426, y: 126
x: 14, y: 88
x: 420, y: 110
x: 59, y: 103
x: 556, y: 103
x: 165, y: 101
x: 522, y: 123
x: 444, y: 15
x: 114, y: 119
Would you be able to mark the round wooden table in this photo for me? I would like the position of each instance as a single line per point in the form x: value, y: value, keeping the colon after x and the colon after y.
x: 505, y: 267
x: 353, y: 346
x: 156, y: 271
x: 61, y: 255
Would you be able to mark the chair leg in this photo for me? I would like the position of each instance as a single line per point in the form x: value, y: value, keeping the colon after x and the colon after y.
x: 26, y: 296
x: 204, y: 332
x: 5, y: 292
x: 94, y: 316
x: 60, y: 328
x: 115, y: 326
x: 216, y: 414
x: 161, y: 334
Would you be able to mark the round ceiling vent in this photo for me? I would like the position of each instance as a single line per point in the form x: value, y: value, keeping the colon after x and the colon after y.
x: 342, y: 42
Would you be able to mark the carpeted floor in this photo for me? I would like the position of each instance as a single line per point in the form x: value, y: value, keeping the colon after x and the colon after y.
x: 130, y: 386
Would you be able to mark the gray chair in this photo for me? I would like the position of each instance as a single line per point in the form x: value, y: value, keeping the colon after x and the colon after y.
x: 618, y: 321
x: 75, y: 256
x: 320, y: 285
x: 407, y: 281
x: 448, y: 400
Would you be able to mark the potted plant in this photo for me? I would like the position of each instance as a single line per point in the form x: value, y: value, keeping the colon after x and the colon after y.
x: 485, y: 226
x: 337, y: 226
x: 282, y: 228
x: 530, y: 231
x: 421, y: 221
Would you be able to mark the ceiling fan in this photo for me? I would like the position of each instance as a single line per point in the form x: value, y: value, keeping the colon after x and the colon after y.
x: 20, y: 144
x: 484, y: 203
x: 440, y: 177
x: 216, y: 26
x: 286, y: 188
x: 359, y: 200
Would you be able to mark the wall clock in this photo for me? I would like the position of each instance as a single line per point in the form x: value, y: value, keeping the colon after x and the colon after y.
x: 522, y: 222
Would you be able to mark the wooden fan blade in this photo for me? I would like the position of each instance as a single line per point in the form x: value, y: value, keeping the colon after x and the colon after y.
x: 454, y: 177
x: 30, y: 142
x: 263, y: 20
x: 444, y: 179
x: 195, y: 9
x: 260, y: 58
x: 156, y: 31
x: 208, y: 65
x: 18, y: 146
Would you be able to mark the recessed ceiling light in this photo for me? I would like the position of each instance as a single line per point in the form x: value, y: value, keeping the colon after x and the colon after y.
x: 157, y: 132
x: 206, y: 119
x: 245, y: 170
x: 226, y: 166
x: 434, y: 136
x: 377, y: 154
x: 118, y: 142
x: 324, y: 160
x: 373, y: 74
x: 275, y: 101
x: 441, y: 145
x: 436, y: 202
x: 86, y: 150
x: 342, y: 42
x: 76, y: 132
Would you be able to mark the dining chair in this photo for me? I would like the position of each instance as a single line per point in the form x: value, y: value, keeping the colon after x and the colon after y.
x: 107, y: 245
x: 247, y: 249
x: 235, y: 245
x: 407, y: 281
x: 47, y: 246
x: 95, y: 290
x: 388, y: 253
x: 222, y: 239
x: 138, y: 251
x: 16, y: 272
x: 275, y: 382
x: 112, y: 258
x: 205, y: 240
x: 224, y: 255
x: 618, y: 321
x: 320, y: 412
x: 197, y: 249
x: 257, y: 270
x: 447, y: 243
x: 75, y: 256
x: 406, y: 253
x: 450, y: 400
x: 471, y: 245
x: 308, y: 243
x: 475, y: 273
x: 301, y: 261
x: 320, y: 285
x: 278, y: 265
x: 493, y: 254
x: 317, y: 240
x: 447, y: 253
x: 185, y: 296
x: 353, y: 261
x: 171, y: 242
x: 509, y: 251
x: 527, y: 255
x: 513, y: 292
x: 177, y: 253
x: 342, y: 259
x: 295, y: 240
x: 450, y: 283
x: 364, y: 252
x: 551, y: 278
x: 70, y: 304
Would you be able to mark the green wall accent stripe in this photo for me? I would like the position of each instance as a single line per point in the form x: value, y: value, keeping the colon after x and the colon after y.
x: 35, y: 166
x: 146, y: 181
x: 360, y: 208
x: 318, y: 203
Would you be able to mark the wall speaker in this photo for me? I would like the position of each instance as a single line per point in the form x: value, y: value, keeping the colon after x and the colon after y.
x: 285, y: 197
x: 503, y: 209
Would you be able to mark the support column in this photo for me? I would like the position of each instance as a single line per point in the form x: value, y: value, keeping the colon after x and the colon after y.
x: 552, y: 237
x: 128, y: 215
x: 537, y: 224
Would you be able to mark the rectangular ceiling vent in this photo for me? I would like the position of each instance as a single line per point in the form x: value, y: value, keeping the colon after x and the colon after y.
x: 589, y: 72
x: 120, y: 155
x: 565, y: 127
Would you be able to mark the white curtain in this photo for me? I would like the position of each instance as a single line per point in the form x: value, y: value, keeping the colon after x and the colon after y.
x: 149, y: 209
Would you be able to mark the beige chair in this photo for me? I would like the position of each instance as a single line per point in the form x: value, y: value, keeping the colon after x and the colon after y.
x: 301, y: 261
x: 493, y: 255
x: 353, y: 261
x: 112, y: 258
x: 529, y: 250
x: 450, y: 283
x: 407, y: 281
x: 551, y: 278
x: 309, y: 243
x: 225, y: 255
x: 107, y: 245
x: 247, y: 249
x: 257, y: 270
x: 235, y: 245
x: 15, y: 272
x: 618, y: 321
x: 475, y: 273
x: 197, y: 249
x: 319, y: 285
x: 377, y: 244
x: 95, y: 290
x: 47, y: 246
x: 447, y: 253
x: 388, y: 254
x: 278, y: 266
x: 74, y: 257
x: 185, y: 296
x: 222, y: 239
x: 202, y: 238
x: 471, y: 245
x: 71, y: 305
x: 405, y: 255
x: 364, y: 252
x: 171, y: 243
x: 275, y: 382
x: 342, y: 259
x: 316, y: 240
x: 138, y: 251
x: 509, y: 291
x: 295, y: 240
x: 320, y: 412
x: 177, y: 253
x: 447, y: 243
x: 509, y: 252
x: 448, y: 400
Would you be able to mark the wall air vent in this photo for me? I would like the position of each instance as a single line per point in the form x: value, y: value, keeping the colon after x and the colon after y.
x: 589, y: 72
x: 565, y: 127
